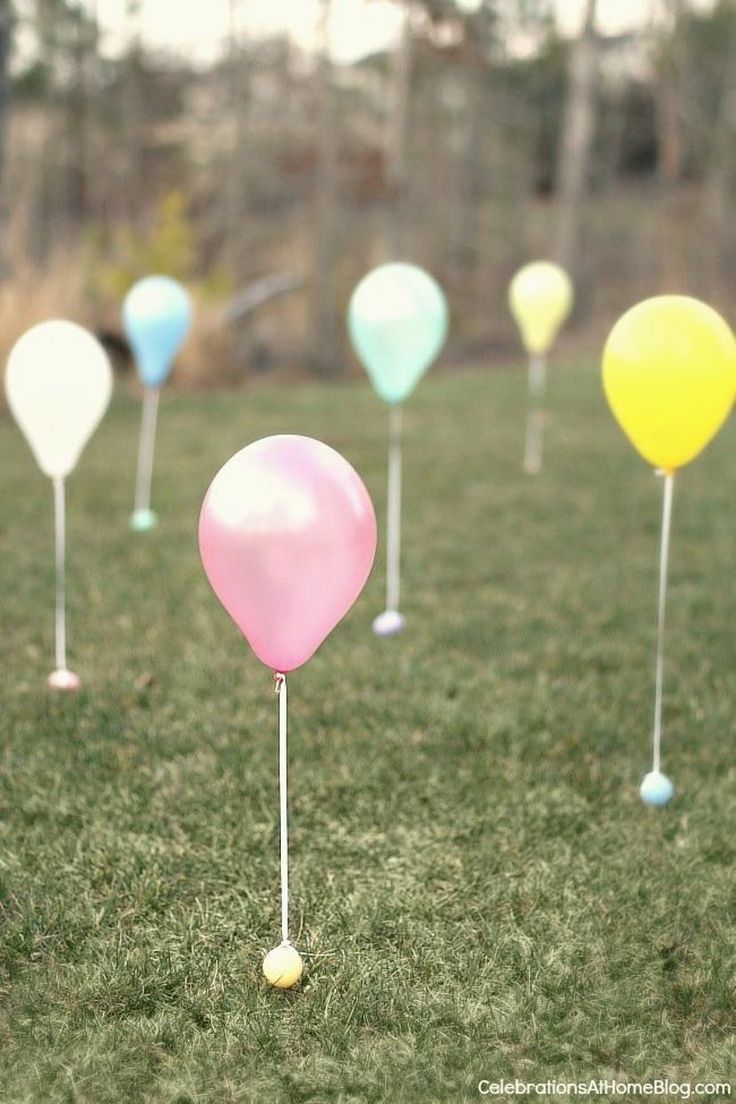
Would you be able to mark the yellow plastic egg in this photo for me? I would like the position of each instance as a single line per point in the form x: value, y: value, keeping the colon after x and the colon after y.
x: 283, y: 966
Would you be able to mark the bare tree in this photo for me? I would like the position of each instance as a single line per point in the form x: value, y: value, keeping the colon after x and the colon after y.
x: 6, y: 22
x: 132, y: 112
x: 322, y: 355
x: 235, y: 205
x: 42, y: 210
x: 83, y: 168
x: 397, y: 138
x: 720, y: 171
x: 91, y: 77
x: 578, y: 125
x: 478, y: 36
x: 671, y: 145
x: 238, y: 97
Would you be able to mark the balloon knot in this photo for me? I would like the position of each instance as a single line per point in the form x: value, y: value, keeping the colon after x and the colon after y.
x: 279, y: 679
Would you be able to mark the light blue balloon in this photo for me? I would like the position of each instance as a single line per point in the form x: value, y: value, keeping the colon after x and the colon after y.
x: 397, y: 321
x: 656, y: 789
x: 157, y: 316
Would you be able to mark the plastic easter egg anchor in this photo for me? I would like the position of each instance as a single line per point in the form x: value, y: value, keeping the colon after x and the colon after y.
x: 656, y: 789
x: 64, y: 680
x: 389, y: 623
x: 532, y: 465
x: 283, y: 966
x: 142, y: 521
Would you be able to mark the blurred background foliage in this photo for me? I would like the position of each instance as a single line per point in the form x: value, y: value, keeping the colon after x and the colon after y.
x: 272, y: 176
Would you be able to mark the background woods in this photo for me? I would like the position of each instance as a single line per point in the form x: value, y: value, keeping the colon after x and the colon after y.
x: 272, y: 174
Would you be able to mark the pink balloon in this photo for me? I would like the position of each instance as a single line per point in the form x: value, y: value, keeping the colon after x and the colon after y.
x: 287, y: 536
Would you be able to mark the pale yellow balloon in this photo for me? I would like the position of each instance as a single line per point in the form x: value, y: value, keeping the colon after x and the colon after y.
x: 283, y: 966
x: 540, y: 297
x: 669, y: 374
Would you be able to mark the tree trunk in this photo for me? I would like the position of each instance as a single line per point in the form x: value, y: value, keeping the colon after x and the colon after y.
x: 670, y: 153
x: 467, y: 237
x: 237, y: 184
x: 132, y: 110
x: 395, y: 244
x: 322, y: 345
x: 43, y: 210
x: 720, y: 175
x: 6, y: 27
x: 578, y: 125
x: 82, y: 169
x: 234, y: 225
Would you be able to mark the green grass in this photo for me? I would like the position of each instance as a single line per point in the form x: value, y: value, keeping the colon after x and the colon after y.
x: 477, y: 886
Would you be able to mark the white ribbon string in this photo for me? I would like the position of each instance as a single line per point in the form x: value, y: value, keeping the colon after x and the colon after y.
x: 393, y: 533
x: 535, y: 415
x: 669, y: 484
x: 60, y: 556
x: 146, y: 447
x: 283, y: 806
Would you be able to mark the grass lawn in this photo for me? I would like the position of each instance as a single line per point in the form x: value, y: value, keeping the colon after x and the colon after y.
x: 476, y: 885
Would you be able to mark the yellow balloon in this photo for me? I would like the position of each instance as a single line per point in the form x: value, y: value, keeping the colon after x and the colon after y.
x: 540, y: 297
x: 669, y: 374
x: 283, y: 966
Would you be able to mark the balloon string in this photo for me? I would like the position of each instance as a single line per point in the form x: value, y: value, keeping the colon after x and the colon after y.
x: 534, y: 424
x: 60, y: 556
x: 669, y: 484
x: 283, y: 807
x: 393, y: 536
x: 146, y: 447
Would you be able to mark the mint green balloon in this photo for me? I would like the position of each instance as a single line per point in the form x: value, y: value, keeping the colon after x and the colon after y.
x: 397, y: 321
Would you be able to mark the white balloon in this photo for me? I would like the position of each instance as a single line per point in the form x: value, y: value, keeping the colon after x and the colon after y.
x: 58, y: 382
